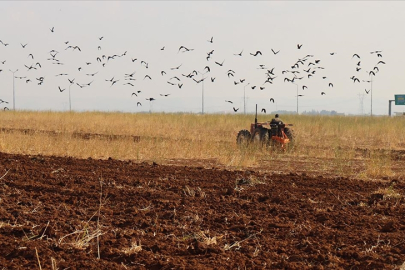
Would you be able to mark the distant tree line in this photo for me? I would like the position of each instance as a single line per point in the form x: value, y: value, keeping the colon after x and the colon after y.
x: 312, y: 112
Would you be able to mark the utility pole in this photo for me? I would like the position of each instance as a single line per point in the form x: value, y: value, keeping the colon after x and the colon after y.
x: 244, y: 98
x: 297, y: 96
x: 371, y: 90
x: 202, y: 91
x: 361, y: 98
x: 70, y: 102
x: 13, y: 88
x: 389, y: 106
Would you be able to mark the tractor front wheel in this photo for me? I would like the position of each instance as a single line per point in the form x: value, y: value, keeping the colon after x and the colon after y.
x: 260, y: 136
x: 243, y: 137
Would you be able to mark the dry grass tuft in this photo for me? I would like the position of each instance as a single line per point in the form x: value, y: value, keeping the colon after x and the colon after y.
x: 83, y: 238
x: 133, y: 249
x: 389, y: 193
x: 203, y: 237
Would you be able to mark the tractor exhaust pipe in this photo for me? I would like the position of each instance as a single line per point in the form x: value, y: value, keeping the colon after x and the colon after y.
x: 256, y: 118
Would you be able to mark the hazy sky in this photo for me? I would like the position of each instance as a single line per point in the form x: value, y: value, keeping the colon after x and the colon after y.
x: 140, y: 29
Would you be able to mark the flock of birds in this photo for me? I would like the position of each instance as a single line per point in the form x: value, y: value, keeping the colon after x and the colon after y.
x: 303, y: 69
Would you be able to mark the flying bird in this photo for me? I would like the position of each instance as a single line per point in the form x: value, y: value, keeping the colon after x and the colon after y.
x: 198, y: 80
x: 52, y: 29
x: 367, y: 91
x: 330, y: 84
x: 323, y: 93
x: 176, y: 67
x: 299, y: 46
x: 220, y: 64
x: 263, y: 110
x: 256, y: 53
x: 229, y: 101
x: 211, y: 40
x: 145, y: 64
x: 175, y: 77
x: 23, y: 45
x: 239, y: 54
x: 61, y: 90
x: 356, y: 55
x: 138, y: 103
x: 235, y: 110
x: 275, y: 52
x: 185, y: 49
x: 272, y: 100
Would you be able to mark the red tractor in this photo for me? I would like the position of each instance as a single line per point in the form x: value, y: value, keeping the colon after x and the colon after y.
x: 266, y: 133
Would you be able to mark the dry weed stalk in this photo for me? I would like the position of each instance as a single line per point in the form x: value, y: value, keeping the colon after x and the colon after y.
x: 39, y: 262
x: 86, y: 235
x: 53, y: 263
x: 189, y: 191
x: 237, y: 243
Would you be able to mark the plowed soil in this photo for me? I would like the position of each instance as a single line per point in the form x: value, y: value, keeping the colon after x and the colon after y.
x: 60, y: 212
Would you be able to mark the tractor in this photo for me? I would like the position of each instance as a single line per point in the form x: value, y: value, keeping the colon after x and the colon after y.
x: 270, y: 133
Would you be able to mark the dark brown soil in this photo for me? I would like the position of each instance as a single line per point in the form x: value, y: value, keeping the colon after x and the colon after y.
x: 186, y: 217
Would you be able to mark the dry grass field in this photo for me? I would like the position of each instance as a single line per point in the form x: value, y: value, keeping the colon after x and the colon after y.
x: 365, y: 147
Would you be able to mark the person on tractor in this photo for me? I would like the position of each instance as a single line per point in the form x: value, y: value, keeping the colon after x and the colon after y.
x: 276, y: 120
x: 275, y: 123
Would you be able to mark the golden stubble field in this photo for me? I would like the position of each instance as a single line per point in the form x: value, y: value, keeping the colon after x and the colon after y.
x: 360, y: 146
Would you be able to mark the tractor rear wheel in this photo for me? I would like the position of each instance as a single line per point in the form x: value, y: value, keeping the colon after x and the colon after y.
x: 289, y: 134
x: 243, y: 137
